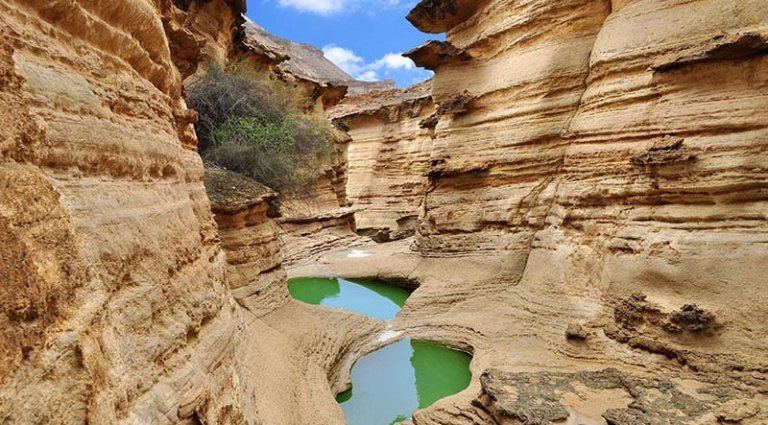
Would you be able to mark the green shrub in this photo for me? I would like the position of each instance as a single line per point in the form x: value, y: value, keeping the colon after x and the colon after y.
x: 252, y: 127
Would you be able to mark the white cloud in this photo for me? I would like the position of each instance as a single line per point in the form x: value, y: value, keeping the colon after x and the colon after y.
x: 370, y: 75
x: 321, y: 7
x: 394, y: 61
x: 356, y: 66
x: 345, y: 59
x: 332, y: 7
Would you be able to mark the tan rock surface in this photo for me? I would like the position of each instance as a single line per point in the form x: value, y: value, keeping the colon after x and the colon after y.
x: 106, y: 198
x: 387, y: 159
x: 250, y: 239
x: 201, y: 32
x: 585, y: 167
x: 118, y: 304
x: 595, y: 164
x: 616, y: 152
x: 317, y: 222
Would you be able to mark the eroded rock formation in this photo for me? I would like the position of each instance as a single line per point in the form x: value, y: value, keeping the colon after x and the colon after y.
x: 122, y: 309
x: 584, y: 179
x: 118, y: 304
x: 600, y: 167
x: 250, y: 239
x: 318, y: 221
x: 387, y: 158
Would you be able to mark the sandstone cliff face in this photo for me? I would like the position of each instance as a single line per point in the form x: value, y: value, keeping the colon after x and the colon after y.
x: 320, y: 220
x: 589, y: 178
x: 319, y: 81
x: 600, y: 168
x: 201, y: 32
x: 305, y: 62
x: 118, y: 301
x: 608, y: 137
x: 681, y: 173
x: 387, y: 158
x: 250, y: 239
x: 292, y: 353
x: 316, y: 222
x: 119, y: 304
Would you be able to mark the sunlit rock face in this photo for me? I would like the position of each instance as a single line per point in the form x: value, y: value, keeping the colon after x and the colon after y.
x: 113, y: 306
x: 588, y: 179
x: 501, y: 137
x: 664, y: 176
x: 614, y: 146
x: 594, y: 201
x: 387, y: 159
x: 250, y: 238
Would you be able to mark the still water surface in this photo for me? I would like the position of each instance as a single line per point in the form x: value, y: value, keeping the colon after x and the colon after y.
x: 391, y: 383
x: 370, y: 298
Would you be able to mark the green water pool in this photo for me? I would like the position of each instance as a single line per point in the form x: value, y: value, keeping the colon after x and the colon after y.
x: 393, y: 382
x: 389, y: 384
x: 374, y: 299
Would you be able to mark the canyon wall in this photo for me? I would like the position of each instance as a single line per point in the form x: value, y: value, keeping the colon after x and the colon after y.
x: 594, y: 197
x: 585, y: 179
x: 318, y: 221
x: 604, y: 145
x: 116, y: 308
x: 387, y: 158
x: 118, y: 303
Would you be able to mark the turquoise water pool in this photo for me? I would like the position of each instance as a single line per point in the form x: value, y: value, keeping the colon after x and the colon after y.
x: 389, y: 384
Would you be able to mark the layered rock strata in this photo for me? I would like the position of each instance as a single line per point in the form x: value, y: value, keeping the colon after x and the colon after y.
x: 320, y: 219
x: 592, y: 225
x: 317, y: 221
x: 202, y: 32
x: 120, y: 308
x: 624, y: 159
x: 118, y: 304
x: 595, y: 200
x: 295, y: 352
x: 387, y: 158
x: 250, y: 239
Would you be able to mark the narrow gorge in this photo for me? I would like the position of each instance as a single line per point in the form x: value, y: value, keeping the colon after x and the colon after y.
x: 578, y: 200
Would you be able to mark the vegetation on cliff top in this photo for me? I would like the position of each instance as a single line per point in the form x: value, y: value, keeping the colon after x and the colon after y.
x: 254, y: 127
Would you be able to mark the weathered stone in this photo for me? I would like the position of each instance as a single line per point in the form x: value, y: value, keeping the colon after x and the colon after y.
x: 576, y: 331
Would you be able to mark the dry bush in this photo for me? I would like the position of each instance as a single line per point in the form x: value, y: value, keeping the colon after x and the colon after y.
x: 253, y: 127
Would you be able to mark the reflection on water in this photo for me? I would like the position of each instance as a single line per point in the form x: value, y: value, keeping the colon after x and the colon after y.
x: 374, y: 299
x: 391, y: 383
x: 439, y: 371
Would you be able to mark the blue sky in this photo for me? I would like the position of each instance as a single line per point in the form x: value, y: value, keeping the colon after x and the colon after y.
x: 363, y: 37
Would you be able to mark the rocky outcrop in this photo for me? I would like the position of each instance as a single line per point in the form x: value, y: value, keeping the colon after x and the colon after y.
x: 545, y: 397
x: 118, y: 304
x: 318, y: 221
x: 387, y: 159
x: 595, y: 198
x: 305, y: 67
x: 201, y: 32
x: 250, y: 239
x: 295, y: 352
